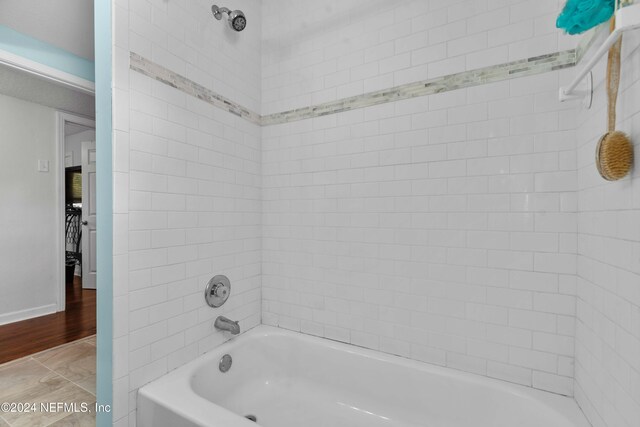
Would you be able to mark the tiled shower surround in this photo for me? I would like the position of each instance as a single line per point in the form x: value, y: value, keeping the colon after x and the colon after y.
x: 443, y: 227
x: 465, y: 228
x: 607, y: 370
x: 187, y: 189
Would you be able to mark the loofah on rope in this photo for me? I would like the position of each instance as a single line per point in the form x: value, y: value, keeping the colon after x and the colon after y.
x: 579, y: 16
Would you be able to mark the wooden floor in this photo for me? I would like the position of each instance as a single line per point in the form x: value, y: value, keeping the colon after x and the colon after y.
x: 30, y: 336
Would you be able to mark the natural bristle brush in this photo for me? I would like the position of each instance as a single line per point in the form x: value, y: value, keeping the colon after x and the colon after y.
x: 614, y: 153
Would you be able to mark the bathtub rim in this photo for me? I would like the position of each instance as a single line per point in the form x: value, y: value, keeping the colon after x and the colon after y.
x: 174, y: 390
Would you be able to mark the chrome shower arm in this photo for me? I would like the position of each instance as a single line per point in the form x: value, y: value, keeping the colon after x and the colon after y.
x: 218, y: 11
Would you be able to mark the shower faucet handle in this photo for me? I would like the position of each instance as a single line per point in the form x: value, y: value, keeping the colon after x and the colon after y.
x: 217, y: 291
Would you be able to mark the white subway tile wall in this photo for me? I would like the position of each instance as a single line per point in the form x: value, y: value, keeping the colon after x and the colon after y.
x: 187, y: 189
x: 440, y: 228
x: 607, y: 373
x: 316, y: 52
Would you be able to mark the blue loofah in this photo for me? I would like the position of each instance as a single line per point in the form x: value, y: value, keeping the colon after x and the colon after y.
x: 579, y: 16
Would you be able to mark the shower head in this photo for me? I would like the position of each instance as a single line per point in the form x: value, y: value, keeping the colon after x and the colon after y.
x: 237, y: 20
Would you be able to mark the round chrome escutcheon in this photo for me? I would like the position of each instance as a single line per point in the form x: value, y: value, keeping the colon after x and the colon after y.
x: 217, y: 291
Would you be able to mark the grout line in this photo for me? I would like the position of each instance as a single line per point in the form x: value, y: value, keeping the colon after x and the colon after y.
x: 52, y: 371
x: 65, y: 378
x: 61, y: 419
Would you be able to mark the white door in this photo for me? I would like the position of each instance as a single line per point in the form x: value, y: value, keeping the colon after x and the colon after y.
x: 89, y: 215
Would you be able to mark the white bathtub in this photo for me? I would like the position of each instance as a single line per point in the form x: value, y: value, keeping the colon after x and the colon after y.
x: 287, y: 379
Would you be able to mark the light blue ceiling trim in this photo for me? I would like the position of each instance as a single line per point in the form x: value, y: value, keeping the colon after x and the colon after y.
x: 45, y: 53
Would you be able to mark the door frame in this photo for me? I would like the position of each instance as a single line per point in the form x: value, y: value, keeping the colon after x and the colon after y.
x: 62, y: 118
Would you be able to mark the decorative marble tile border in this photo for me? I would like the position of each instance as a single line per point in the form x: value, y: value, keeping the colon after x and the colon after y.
x: 496, y: 73
x: 168, y: 77
x: 510, y: 70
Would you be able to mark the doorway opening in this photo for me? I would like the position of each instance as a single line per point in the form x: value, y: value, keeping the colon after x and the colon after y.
x: 78, y: 203
x: 74, y: 312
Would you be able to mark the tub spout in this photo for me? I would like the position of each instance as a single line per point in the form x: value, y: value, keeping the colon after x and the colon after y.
x: 225, y: 324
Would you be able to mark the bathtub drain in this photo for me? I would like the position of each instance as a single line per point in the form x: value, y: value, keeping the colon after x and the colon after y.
x: 252, y: 418
x: 225, y: 363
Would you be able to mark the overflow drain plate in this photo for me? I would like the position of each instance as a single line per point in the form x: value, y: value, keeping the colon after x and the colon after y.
x: 252, y: 418
x: 225, y: 363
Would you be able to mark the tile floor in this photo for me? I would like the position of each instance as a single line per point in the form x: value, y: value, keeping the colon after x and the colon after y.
x: 62, y: 374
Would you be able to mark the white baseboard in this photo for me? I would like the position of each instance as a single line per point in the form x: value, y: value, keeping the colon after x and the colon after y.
x: 29, y: 313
